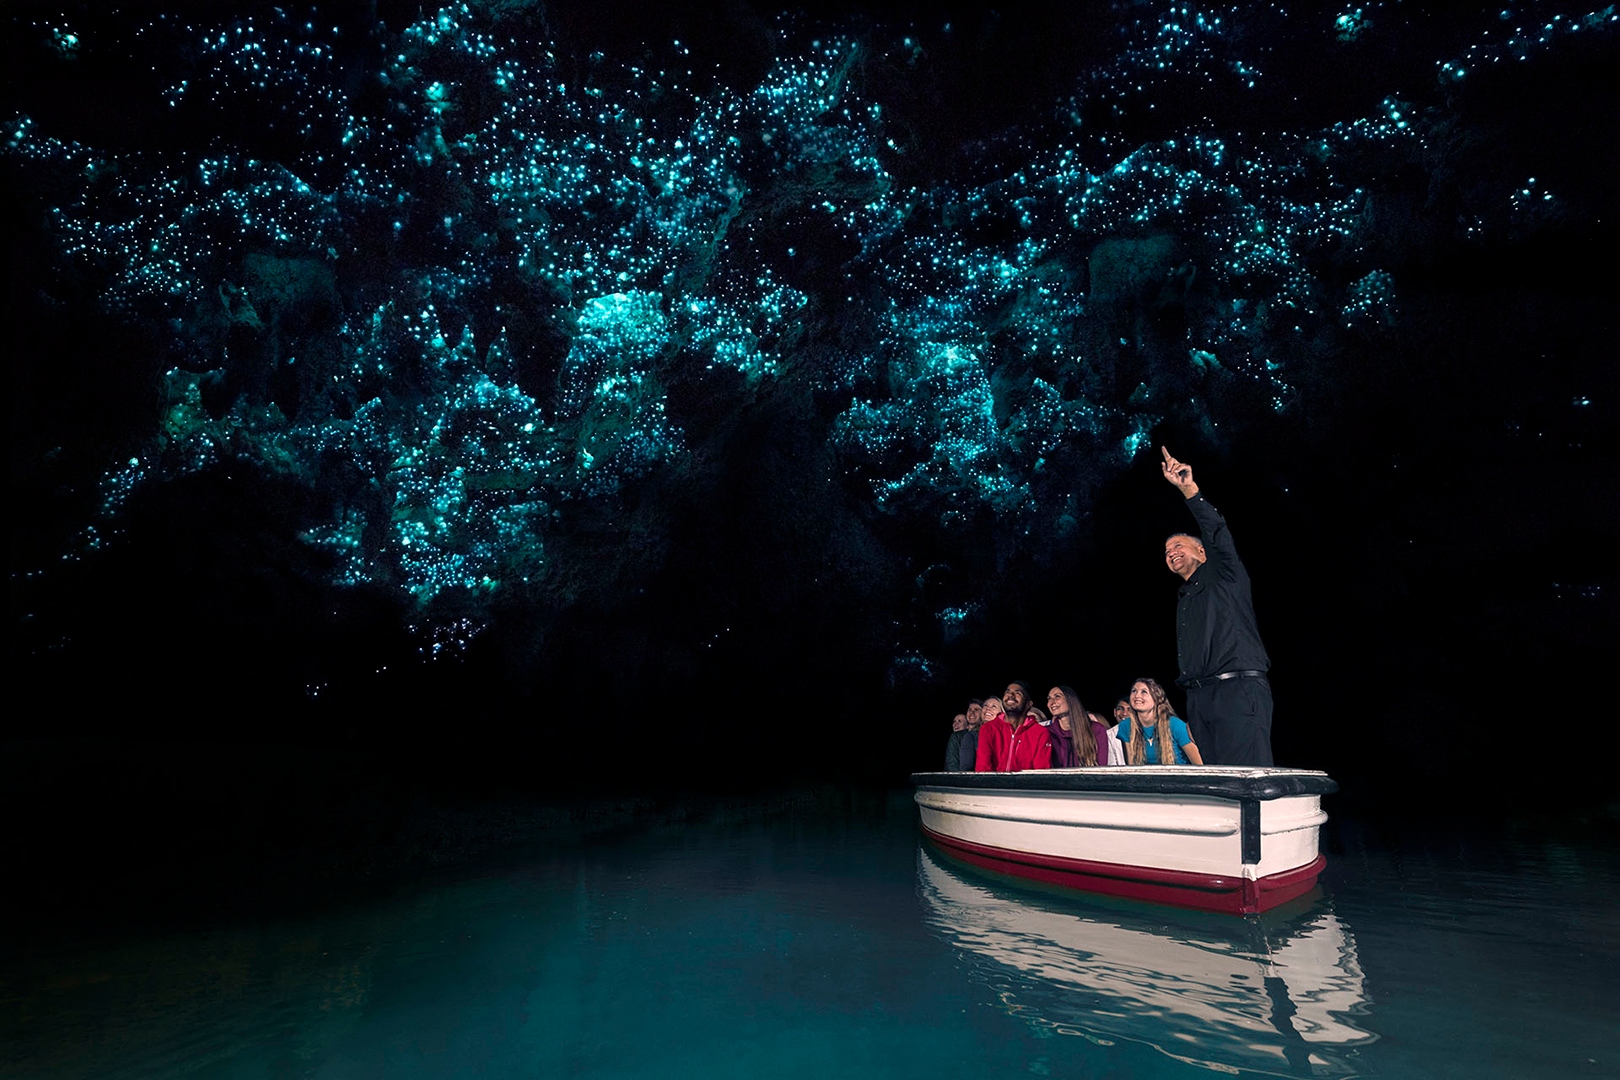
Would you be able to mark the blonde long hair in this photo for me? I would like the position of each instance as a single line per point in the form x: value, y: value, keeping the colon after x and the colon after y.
x: 1136, y: 752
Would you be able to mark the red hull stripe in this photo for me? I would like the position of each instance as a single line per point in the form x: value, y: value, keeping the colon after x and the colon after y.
x: 1182, y: 888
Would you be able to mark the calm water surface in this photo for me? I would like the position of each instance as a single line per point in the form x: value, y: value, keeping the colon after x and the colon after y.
x: 829, y: 943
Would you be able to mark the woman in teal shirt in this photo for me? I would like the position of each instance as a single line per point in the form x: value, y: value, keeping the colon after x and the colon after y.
x: 1151, y: 725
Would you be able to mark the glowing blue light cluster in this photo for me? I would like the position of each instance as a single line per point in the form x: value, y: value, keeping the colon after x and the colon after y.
x: 1371, y: 300
x: 609, y: 388
x: 271, y: 56
x: 1184, y: 38
x: 912, y: 668
x: 477, y: 187
x: 1256, y: 222
x: 943, y: 421
x: 1526, y: 34
x: 1351, y: 23
x: 638, y: 232
x: 169, y: 232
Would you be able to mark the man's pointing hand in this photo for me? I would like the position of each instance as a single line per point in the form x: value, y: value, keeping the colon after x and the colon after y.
x: 1179, y: 474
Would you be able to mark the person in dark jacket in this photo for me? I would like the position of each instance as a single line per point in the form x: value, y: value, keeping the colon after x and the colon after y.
x: 970, y: 736
x: 953, y: 746
x: 1223, y: 663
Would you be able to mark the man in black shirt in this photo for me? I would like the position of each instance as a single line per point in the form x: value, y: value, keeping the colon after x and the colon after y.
x: 1223, y: 663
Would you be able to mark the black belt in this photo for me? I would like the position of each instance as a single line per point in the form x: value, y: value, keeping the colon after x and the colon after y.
x: 1198, y: 684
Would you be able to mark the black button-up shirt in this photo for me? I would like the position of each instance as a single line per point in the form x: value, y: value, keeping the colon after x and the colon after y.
x: 1215, y: 630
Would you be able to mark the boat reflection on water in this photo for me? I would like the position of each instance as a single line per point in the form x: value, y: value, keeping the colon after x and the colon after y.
x: 1276, y: 994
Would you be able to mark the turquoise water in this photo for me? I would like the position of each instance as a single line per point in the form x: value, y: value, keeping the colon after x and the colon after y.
x: 829, y: 943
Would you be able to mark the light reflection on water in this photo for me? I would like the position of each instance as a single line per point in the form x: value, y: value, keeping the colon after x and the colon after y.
x: 1277, y: 994
x: 828, y: 943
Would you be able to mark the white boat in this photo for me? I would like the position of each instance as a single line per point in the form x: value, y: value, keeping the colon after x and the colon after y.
x: 1239, y: 840
x: 1281, y: 995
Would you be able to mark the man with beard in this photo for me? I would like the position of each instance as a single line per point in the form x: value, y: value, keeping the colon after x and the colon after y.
x: 1223, y: 664
x: 1015, y: 740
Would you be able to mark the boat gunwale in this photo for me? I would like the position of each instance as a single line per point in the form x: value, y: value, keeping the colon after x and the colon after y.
x: 1183, y: 780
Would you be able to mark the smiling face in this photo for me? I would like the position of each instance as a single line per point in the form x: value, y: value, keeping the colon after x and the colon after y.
x: 1058, y: 706
x: 1142, y: 703
x: 1183, y: 555
x: 993, y: 709
x: 975, y: 715
x: 1016, y: 701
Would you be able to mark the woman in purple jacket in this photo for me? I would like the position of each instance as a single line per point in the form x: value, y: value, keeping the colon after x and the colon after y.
x: 1077, y: 739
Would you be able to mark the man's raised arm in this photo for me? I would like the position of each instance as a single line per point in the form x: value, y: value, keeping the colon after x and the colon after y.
x: 1211, y: 525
